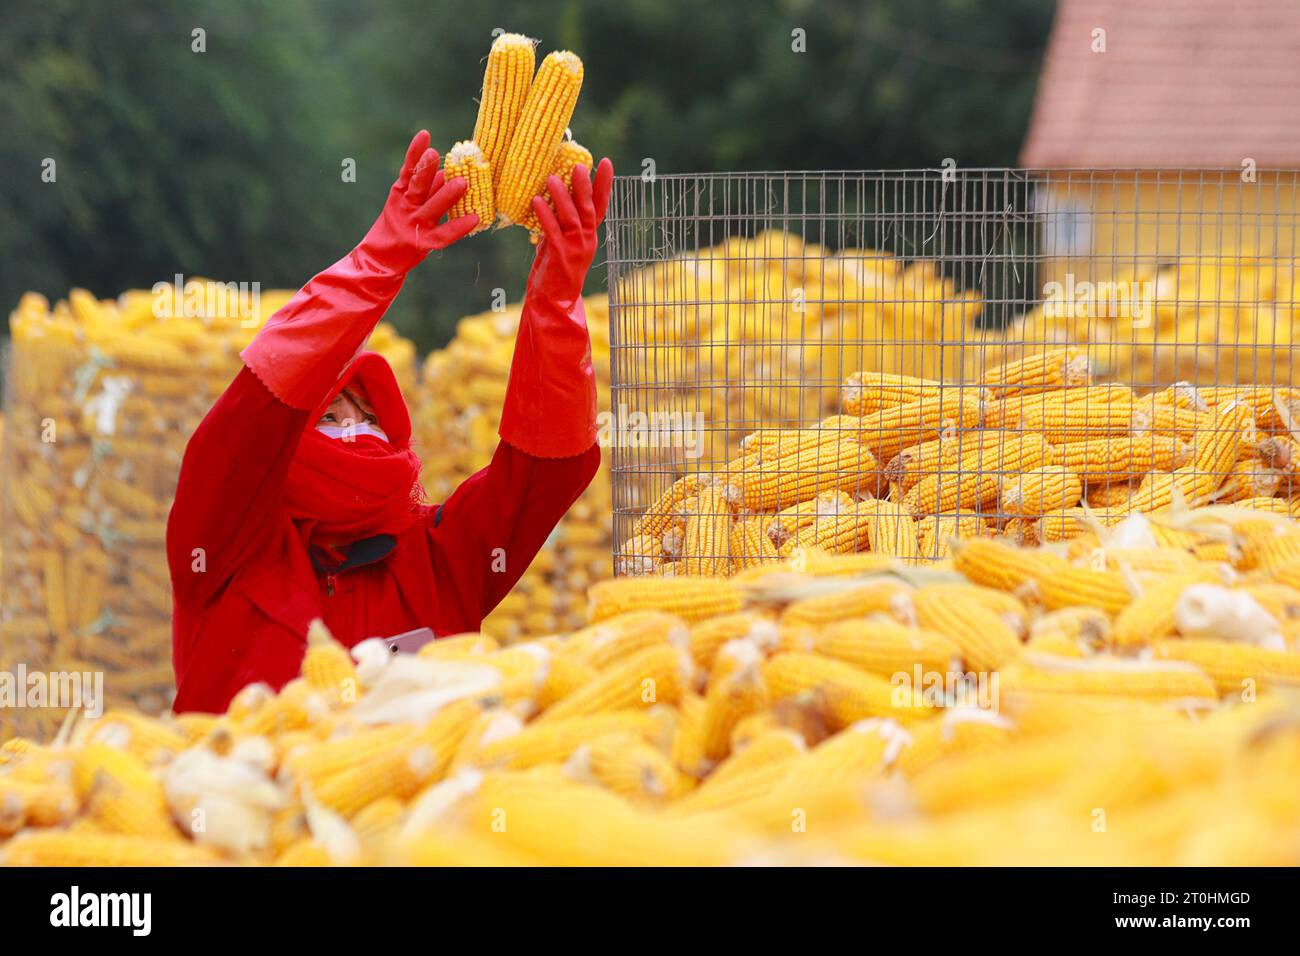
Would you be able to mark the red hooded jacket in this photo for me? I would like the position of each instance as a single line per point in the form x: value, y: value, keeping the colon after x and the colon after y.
x: 245, y: 585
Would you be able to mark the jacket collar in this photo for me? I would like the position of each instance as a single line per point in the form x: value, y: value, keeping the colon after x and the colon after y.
x: 365, y: 551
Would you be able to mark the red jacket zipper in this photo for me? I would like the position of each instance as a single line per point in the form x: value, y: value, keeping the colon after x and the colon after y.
x: 329, y: 585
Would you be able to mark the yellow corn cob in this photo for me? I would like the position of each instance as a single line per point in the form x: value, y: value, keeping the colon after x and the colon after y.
x: 628, y: 766
x: 1169, y: 420
x: 403, y: 769
x: 750, y: 544
x: 546, y: 112
x: 601, y: 832
x: 614, y: 638
x: 885, y: 647
x: 640, y: 554
x: 667, y: 509
x: 327, y: 666
x: 772, y: 744
x: 1050, y: 578
x: 987, y: 775
x: 960, y: 730
x: 554, y: 741
x: 67, y: 848
x: 1007, y: 412
x: 686, y: 745
x: 1272, y: 549
x: 1248, y: 479
x: 1074, y: 523
x: 779, y: 481
x: 935, y: 457
x: 466, y: 160
x: 824, y: 564
x: 981, y: 635
x: 1037, y: 491
x: 151, y: 740
x: 707, y: 637
x: 457, y: 645
x: 728, y: 786
x: 654, y: 675
x: 1232, y: 666
x: 567, y: 158
x: 975, y: 480
x: 195, y: 727
x: 120, y: 792
x: 37, y: 803
x: 293, y: 709
x: 890, y: 430
x: 891, y: 531
x: 1108, y: 496
x: 795, y: 518
x: 1180, y: 395
x: 1057, y: 643
x: 523, y: 669
x: 1008, y: 607
x: 1263, y: 402
x: 1151, y: 615
x: 1037, y: 373
x: 1061, y: 423
x: 735, y: 691
x: 748, y: 729
x: 1215, y: 451
x: 873, y: 597
x: 376, y: 817
x: 439, y: 847
x: 866, y: 392
x: 15, y: 747
x: 761, y: 447
x: 817, y: 779
x: 935, y: 533
x: 1083, y: 628
x: 1113, y: 676
x: 506, y: 80
x: 848, y: 531
x: 1047, y: 712
x: 304, y: 852
x: 1270, y: 504
x: 690, y: 598
x: 493, y: 724
x: 707, y: 542
x: 841, y: 692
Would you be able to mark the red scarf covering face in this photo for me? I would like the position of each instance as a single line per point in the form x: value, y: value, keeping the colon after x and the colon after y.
x: 341, y: 491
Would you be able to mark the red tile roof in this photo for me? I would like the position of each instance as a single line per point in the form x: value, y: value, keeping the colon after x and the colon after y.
x: 1183, y: 83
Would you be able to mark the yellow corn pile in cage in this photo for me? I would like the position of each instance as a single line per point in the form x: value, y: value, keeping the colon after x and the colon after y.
x: 761, y: 331
x: 457, y: 414
x: 103, y: 396
x: 1203, y: 319
x: 1034, y: 451
x: 1135, y: 703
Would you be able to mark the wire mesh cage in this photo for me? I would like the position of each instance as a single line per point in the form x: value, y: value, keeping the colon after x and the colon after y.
x: 886, y: 361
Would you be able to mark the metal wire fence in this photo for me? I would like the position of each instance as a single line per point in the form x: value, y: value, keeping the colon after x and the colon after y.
x: 883, y: 360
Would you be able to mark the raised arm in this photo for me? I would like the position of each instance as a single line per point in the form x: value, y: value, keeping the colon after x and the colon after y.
x: 487, y: 533
x: 233, y: 473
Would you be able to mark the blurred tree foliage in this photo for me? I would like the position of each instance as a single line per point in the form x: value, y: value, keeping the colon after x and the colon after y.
x: 228, y: 163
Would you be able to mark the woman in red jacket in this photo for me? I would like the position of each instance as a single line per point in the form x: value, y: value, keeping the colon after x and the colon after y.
x: 299, y: 494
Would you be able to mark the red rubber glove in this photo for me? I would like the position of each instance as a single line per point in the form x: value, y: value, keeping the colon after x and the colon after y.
x: 550, y: 404
x: 305, y: 348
